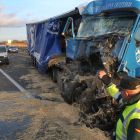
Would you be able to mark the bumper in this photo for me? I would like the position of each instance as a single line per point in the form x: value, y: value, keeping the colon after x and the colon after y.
x: 4, y: 60
x: 13, y: 51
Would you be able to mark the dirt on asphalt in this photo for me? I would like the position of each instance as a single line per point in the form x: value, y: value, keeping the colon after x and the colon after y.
x: 41, y: 114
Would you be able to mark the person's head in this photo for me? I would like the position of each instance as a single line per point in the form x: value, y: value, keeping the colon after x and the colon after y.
x: 129, y: 87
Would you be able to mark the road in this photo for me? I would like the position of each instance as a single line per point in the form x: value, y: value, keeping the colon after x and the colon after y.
x: 20, y: 64
x: 32, y: 107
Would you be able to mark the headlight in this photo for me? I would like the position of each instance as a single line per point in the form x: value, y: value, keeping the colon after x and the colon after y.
x: 5, y: 56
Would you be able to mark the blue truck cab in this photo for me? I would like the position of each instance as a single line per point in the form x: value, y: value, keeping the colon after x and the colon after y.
x: 109, y: 34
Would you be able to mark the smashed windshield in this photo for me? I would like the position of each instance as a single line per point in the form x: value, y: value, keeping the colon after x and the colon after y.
x: 95, y: 26
x: 2, y: 49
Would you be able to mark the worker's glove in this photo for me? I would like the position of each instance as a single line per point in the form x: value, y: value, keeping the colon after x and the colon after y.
x: 106, y: 80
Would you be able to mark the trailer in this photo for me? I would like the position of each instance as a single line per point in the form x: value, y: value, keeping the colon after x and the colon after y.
x: 98, y: 35
x: 44, y: 38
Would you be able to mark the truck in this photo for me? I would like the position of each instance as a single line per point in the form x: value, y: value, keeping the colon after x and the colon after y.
x: 95, y: 36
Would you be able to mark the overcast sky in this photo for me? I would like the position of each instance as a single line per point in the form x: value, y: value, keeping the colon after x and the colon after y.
x: 14, y: 14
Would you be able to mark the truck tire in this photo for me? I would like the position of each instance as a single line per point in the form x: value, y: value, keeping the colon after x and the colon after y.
x: 68, y: 91
x: 54, y: 74
x: 60, y: 80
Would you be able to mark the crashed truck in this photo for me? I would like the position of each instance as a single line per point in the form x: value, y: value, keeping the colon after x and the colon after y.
x: 75, y: 46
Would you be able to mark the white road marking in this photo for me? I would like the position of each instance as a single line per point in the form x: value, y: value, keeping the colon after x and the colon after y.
x: 13, y: 81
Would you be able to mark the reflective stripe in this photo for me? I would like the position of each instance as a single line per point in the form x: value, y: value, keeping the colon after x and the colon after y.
x: 119, y: 98
x: 123, y: 136
x: 118, y: 137
x: 121, y: 101
x: 112, y: 90
x: 136, y: 110
x: 117, y: 95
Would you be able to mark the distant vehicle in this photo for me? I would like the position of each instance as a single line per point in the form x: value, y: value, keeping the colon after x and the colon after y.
x: 4, y: 55
x: 12, y: 49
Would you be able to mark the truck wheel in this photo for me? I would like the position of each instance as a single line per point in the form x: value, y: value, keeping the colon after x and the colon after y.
x: 54, y: 75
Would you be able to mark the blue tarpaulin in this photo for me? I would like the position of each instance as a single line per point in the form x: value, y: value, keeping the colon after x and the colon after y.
x: 44, y: 39
x: 31, y: 35
x: 51, y: 45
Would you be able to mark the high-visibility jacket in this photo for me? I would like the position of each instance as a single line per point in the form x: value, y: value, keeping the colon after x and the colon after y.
x: 128, y: 122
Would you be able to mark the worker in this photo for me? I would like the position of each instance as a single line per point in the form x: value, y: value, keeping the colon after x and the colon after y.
x: 127, y: 94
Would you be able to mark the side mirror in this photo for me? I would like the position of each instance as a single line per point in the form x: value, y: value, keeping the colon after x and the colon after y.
x: 69, y: 32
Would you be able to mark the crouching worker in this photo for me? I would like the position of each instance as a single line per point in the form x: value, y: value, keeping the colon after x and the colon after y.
x: 127, y: 94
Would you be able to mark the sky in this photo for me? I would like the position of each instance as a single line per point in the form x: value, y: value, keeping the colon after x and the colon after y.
x: 15, y: 14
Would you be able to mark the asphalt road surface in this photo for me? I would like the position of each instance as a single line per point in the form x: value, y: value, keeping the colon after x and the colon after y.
x: 19, y: 65
x: 32, y: 108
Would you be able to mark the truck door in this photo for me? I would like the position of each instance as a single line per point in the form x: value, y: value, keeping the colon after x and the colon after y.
x: 131, y: 58
x: 69, y: 34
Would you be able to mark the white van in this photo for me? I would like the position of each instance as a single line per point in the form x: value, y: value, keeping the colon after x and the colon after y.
x: 4, y: 55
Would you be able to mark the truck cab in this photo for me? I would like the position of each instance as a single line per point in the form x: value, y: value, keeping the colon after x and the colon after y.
x: 108, y: 38
x: 108, y: 35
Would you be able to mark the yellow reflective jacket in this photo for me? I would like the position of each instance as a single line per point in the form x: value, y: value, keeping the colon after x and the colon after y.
x: 128, y: 122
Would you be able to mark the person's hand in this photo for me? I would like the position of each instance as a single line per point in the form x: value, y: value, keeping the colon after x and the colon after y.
x: 101, y: 74
x: 105, y: 78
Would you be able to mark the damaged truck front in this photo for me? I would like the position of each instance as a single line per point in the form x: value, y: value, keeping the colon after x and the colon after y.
x: 108, y: 39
